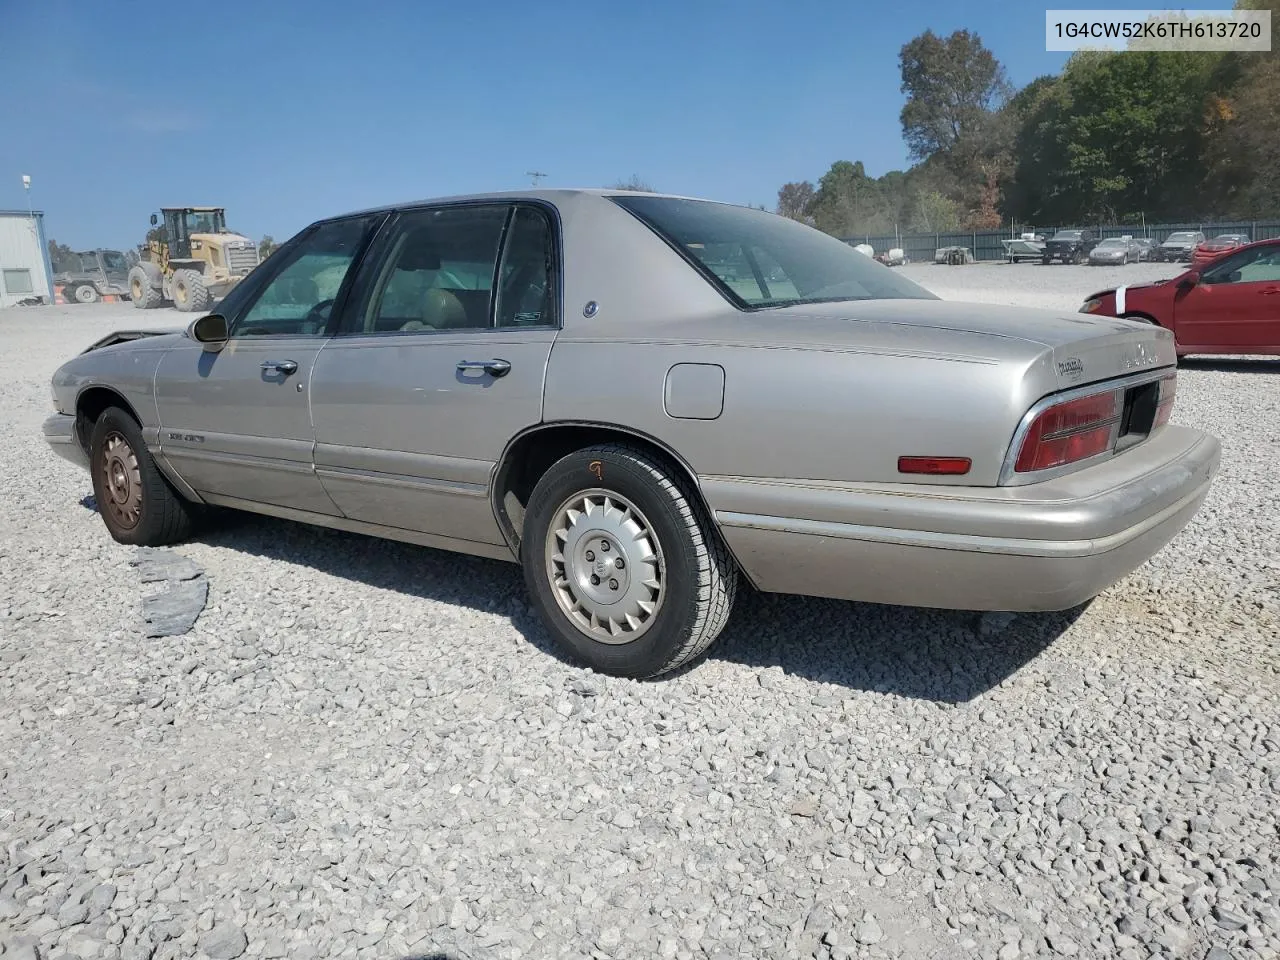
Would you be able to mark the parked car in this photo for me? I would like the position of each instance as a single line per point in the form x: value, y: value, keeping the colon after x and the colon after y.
x: 1146, y: 248
x: 1114, y: 251
x: 1230, y: 305
x: 1179, y: 246
x: 598, y: 385
x: 1069, y: 246
x: 1222, y: 243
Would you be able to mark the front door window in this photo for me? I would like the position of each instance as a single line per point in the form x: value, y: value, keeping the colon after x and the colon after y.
x: 299, y: 299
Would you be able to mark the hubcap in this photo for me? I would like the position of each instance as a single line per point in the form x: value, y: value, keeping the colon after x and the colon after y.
x: 605, y: 566
x: 121, y: 481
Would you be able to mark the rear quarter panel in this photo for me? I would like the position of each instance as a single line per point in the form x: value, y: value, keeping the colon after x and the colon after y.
x: 793, y: 412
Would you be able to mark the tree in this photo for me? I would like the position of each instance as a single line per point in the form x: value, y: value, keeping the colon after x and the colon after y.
x: 1244, y: 131
x: 266, y: 247
x: 62, y: 257
x: 935, y: 213
x: 634, y: 184
x: 794, y: 200
x: 952, y: 85
x: 1118, y: 132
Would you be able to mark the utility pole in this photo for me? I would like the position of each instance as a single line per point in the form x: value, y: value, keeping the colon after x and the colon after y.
x: 26, y: 186
x: 535, y: 176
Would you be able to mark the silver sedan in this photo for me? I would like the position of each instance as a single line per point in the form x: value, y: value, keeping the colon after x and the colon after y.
x: 1116, y: 251
x: 643, y: 400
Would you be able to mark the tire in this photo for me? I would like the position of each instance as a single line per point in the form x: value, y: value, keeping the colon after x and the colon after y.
x: 85, y: 293
x: 190, y: 295
x: 135, y: 501
x: 654, y: 526
x: 144, y: 286
x: 1047, y: 260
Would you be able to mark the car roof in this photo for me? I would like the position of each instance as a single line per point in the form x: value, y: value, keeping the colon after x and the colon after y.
x: 549, y: 194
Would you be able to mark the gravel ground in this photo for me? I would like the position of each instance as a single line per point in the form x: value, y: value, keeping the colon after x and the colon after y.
x: 366, y: 749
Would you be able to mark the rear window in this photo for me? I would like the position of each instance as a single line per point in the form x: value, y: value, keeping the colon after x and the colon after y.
x: 759, y: 259
x: 1068, y: 235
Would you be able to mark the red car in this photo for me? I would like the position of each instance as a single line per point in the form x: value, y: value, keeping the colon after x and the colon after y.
x: 1228, y: 305
x: 1212, y: 249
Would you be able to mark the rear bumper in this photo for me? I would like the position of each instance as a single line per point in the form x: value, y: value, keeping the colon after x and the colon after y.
x: 1045, y: 546
x: 60, y: 434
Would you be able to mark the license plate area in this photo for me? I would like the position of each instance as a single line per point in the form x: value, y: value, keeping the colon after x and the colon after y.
x: 1139, y: 415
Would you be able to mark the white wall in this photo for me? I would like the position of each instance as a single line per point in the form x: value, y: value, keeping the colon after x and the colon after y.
x: 20, y: 248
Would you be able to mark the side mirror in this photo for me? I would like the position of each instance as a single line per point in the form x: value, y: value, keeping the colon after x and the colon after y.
x: 210, y: 330
x: 154, y: 219
x: 1189, y: 279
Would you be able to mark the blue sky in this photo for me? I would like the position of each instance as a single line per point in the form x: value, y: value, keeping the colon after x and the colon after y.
x: 286, y: 111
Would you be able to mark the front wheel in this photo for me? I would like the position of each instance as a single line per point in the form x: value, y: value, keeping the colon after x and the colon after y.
x: 625, y: 568
x: 190, y: 295
x: 135, y: 501
x: 144, y: 287
x: 86, y: 294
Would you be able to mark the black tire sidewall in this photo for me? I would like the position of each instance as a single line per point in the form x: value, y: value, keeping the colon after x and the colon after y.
x: 647, y: 655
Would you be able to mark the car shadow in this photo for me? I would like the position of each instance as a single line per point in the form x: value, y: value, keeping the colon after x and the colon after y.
x: 941, y: 655
x: 1223, y: 365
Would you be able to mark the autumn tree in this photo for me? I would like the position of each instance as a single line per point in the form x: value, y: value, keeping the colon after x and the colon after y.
x: 794, y: 200
x: 634, y: 184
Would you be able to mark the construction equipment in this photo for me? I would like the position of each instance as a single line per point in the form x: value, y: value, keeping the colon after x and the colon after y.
x: 89, y: 275
x: 195, y: 261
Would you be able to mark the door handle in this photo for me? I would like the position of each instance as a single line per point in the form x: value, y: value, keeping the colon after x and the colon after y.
x: 281, y: 366
x: 494, y: 368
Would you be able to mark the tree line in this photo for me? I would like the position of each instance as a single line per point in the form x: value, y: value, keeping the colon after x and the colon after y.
x: 1115, y: 137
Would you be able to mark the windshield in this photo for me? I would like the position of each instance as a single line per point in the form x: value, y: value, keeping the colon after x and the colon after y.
x: 1180, y: 237
x: 205, y: 221
x: 1112, y: 244
x: 759, y: 259
x: 1229, y: 238
x: 113, y: 260
x: 1067, y: 235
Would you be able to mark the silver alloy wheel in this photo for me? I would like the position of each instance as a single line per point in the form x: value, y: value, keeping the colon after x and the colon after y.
x: 605, y: 566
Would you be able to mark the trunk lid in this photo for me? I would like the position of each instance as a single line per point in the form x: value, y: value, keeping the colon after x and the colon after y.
x: 1084, y: 348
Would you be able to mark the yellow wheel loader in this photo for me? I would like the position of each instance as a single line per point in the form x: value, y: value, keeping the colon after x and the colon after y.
x: 196, y: 260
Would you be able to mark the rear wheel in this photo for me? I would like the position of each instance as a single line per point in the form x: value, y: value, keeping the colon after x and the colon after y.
x: 144, y: 287
x: 189, y: 292
x: 136, y: 502
x: 86, y: 294
x: 627, y: 571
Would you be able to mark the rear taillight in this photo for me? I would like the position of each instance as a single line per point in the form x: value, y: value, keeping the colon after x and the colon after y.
x: 1164, y: 406
x: 1070, y: 431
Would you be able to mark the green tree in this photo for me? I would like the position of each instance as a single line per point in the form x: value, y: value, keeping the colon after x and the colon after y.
x: 953, y: 85
x: 266, y: 246
x: 1117, y: 133
x: 935, y: 213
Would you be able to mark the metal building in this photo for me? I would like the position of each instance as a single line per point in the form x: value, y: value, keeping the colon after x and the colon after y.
x: 25, y: 269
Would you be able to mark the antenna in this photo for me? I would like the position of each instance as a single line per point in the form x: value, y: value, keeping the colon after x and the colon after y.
x: 535, y: 176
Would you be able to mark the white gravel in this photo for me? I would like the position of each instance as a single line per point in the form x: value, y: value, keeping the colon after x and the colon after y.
x: 366, y: 749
